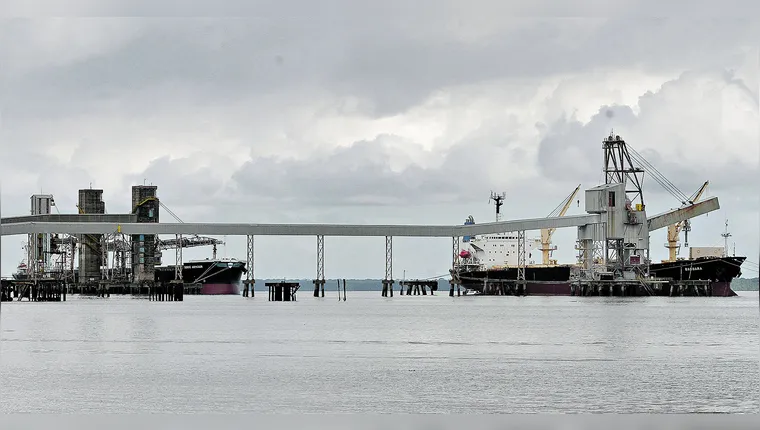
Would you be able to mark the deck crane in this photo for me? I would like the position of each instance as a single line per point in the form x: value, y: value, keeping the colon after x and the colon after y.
x: 675, y: 229
x: 546, y: 233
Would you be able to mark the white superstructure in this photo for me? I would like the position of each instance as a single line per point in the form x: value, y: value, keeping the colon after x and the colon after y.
x: 493, y: 251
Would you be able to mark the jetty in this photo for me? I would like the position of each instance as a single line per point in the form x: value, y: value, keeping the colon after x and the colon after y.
x: 120, y: 252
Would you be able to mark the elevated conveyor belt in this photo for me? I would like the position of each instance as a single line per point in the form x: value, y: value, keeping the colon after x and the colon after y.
x: 219, y: 229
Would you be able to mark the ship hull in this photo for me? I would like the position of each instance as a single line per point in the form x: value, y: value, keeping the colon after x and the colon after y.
x: 556, y: 280
x: 216, y: 277
x: 717, y: 269
x: 546, y: 280
x: 220, y: 289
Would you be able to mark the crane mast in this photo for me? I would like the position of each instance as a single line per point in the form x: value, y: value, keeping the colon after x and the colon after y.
x: 546, y: 233
x: 675, y: 229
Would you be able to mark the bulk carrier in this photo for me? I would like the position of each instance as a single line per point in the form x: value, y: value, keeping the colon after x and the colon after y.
x: 216, y: 276
x: 494, y: 258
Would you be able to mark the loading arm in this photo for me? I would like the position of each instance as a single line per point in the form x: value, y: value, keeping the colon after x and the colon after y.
x: 675, y: 229
x: 677, y: 215
x: 188, y: 242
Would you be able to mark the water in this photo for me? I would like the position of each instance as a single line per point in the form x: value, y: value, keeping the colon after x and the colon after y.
x: 371, y: 354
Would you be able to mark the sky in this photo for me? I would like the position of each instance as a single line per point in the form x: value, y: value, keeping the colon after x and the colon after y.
x: 372, y: 115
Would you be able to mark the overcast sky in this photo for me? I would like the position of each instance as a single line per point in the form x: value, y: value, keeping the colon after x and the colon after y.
x: 380, y: 118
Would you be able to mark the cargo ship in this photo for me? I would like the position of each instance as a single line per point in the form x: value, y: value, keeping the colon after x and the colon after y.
x: 216, y: 276
x: 493, y: 259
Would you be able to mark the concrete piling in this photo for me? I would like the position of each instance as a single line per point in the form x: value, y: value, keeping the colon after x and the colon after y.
x: 34, y: 291
x: 416, y: 287
x: 282, y: 291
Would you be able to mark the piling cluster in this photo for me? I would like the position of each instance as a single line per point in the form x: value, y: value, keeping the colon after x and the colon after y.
x: 41, y: 291
x: 282, y: 291
x: 171, y: 292
x: 416, y: 287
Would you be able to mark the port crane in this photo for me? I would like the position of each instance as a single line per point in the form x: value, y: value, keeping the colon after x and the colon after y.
x: 182, y: 242
x: 117, y: 244
x: 675, y: 229
x: 546, y: 233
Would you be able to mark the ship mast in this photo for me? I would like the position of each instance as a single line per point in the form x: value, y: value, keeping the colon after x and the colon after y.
x: 499, y: 200
x: 725, y: 235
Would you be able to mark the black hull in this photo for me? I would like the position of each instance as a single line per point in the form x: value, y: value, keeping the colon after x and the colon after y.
x: 204, y: 272
x: 560, y: 273
x: 555, y: 280
x: 191, y: 272
x: 540, y: 280
x: 716, y: 269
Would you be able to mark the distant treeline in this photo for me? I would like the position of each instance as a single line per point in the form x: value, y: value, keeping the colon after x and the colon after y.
x: 738, y: 284
x: 745, y: 284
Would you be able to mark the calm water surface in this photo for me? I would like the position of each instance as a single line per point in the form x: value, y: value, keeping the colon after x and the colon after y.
x: 372, y: 354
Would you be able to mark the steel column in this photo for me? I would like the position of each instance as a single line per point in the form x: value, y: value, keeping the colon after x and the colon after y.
x: 319, y: 280
x: 521, y: 255
x: 388, y: 280
x: 250, y: 279
x: 320, y: 258
x: 455, y: 254
x: 388, y: 258
x: 178, y: 259
x: 104, y: 257
x: 249, y: 258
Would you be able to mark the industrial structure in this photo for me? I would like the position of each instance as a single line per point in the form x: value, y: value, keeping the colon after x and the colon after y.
x: 145, y: 207
x: 92, y: 250
x: 613, y: 237
x: 107, y: 262
x: 613, y: 253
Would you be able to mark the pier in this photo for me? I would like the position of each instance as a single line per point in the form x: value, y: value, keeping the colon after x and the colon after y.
x: 133, y: 241
x: 120, y: 252
x: 106, y: 282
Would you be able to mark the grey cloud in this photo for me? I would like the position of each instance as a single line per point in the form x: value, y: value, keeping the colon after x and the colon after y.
x: 181, y: 182
x: 392, y: 61
x: 360, y: 174
x: 278, y: 9
x: 24, y: 158
x: 357, y: 175
x: 573, y: 148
